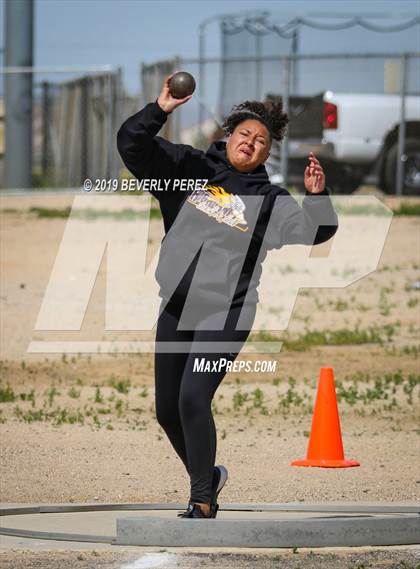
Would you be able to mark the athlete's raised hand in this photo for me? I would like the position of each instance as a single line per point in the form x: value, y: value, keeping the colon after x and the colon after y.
x: 314, y: 177
x: 165, y: 101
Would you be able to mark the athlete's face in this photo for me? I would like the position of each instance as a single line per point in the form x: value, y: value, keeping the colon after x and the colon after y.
x: 248, y: 146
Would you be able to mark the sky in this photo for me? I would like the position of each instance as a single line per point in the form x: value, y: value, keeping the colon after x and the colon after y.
x: 127, y: 32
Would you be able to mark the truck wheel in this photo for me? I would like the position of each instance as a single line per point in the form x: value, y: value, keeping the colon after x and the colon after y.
x: 411, y: 168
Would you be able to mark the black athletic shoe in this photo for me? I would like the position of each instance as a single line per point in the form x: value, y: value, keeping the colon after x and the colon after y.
x: 194, y: 511
x: 220, y: 475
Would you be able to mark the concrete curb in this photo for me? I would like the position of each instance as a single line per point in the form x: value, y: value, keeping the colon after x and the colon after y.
x: 319, y: 532
x: 353, y: 508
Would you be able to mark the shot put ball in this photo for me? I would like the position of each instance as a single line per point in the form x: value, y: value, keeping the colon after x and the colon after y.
x: 181, y: 85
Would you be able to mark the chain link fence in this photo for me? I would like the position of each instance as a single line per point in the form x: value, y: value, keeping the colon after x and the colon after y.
x: 376, y: 97
x: 73, y: 117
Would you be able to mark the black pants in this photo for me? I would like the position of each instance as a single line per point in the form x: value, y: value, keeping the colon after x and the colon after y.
x: 183, y: 396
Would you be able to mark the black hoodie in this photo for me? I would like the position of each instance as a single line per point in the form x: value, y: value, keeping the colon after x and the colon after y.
x: 227, y: 227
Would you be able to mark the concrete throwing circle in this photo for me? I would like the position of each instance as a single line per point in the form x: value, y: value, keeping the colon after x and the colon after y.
x: 237, y: 525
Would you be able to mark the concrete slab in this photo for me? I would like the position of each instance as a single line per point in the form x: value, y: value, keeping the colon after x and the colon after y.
x: 237, y: 525
x: 314, y: 532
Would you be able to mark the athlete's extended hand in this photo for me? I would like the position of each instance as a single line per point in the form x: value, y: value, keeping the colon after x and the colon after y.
x: 165, y: 101
x: 314, y: 177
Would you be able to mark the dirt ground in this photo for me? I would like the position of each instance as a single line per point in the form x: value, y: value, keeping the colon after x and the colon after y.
x: 79, y: 428
x: 356, y: 558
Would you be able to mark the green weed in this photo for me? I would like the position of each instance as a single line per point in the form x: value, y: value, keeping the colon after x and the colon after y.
x: 384, y: 305
x: 143, y: 392
x: 28, y: 397
x: 73, y: 393
x: 339, y: 305
x: 62, y: 416
x: 51, y: 393
x: 92, y: 214
x: 407, y: 209
x: 98, y: 396
x: 43, y: 212
x: 7, y: 395
x: 404, y: 350
x: 371, y: 335
x: 121, y: 385
x: 384, y: 388
x: 9, y: 210
x: 119, y: 407
x: 239, y: 399
x: 291, y: 397
x: 258, y: 401
x: 29, y: 416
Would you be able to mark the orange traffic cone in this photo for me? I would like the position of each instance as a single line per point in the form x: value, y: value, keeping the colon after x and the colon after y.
x: 325, y: 445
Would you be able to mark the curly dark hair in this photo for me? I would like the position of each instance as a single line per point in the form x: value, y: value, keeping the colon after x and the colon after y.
x: 270, y: 114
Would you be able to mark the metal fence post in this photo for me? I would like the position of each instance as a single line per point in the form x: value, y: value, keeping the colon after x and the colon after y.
x: 176, y: 117
x: 295, y: 63
x: 84, y: 126
x: 201, y: 50
x: 110, y: 106
x: 46, y: 140
x: 258, y: 67
x: 18, y: 93
x: 285, y: 141
x: 118, y: 114
x: 401, y: 131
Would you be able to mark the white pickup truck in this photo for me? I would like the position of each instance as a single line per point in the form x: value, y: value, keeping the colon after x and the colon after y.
x: 354, y: 136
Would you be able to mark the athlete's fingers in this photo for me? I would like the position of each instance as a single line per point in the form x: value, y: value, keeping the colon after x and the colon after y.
x: 168, y: 78
x: 314, y: 167
x: 314, y: 160
x: 166, y: 81
x: 185, y: 99
x: 308, y: 173
x: 317, y: 167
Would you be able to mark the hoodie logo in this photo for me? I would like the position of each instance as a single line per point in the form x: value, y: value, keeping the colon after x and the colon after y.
x: 224, y: 207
